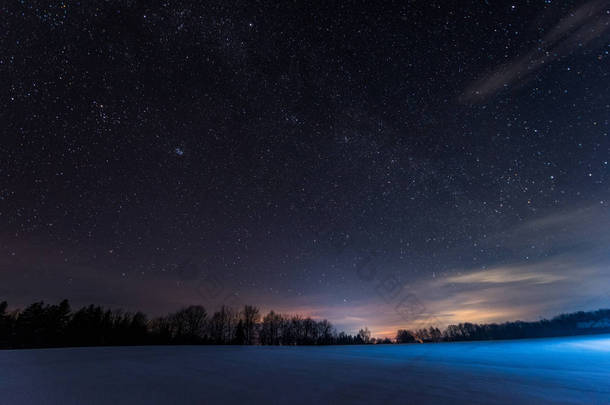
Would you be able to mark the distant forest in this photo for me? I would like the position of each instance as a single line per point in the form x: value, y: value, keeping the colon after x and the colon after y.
x: 576, y: 323
x: 43, y: 325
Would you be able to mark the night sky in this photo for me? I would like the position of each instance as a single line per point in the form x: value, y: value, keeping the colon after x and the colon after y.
x: 378, y: 164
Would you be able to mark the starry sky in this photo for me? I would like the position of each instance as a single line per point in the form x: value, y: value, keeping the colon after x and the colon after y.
x: 377, y: 164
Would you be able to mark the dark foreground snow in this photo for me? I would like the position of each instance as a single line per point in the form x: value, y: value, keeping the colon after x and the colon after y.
x: 565, y: 370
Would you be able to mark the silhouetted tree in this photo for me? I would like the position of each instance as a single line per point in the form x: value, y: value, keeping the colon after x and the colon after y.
x: 188, y: 326
x: 161, y: 330
x: 240, y: 334
x: 223, y: 324
x: 578, y: 323
x: 325, y: 332
x: 404, y: 336
x: 5, y: 325
x: 250, y: 316
x: 270, y: 330
x: 364, y: 335
x: 42, y: 325
x: 435, y: 334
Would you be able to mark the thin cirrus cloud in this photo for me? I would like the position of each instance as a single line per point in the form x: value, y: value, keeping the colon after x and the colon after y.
x: 505, y: 275
x: 571, y: 273
x: 513, y: 292
x: 575, y: 30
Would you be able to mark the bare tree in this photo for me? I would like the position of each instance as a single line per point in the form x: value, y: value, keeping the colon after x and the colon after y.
x: 192, y: 323
x: 271, y: 329
x: 250, y: 316
x: 404, y: 336
x: 365, y: 335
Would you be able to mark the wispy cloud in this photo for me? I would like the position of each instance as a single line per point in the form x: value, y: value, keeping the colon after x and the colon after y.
x: 571, y: 274
x: 577, y: 29
x: 505, y: 275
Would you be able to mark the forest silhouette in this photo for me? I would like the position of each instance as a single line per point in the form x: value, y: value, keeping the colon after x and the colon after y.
x: 42, y: 325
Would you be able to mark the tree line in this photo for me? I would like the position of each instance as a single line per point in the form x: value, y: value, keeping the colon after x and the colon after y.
x: 577, y: 323
x: 56, y: 325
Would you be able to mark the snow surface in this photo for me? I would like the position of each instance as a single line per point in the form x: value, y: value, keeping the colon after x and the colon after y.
x: 558, y: 371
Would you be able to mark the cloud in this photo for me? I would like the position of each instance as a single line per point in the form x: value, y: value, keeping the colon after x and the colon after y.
x: 571, y: 274
x: 568, y: 270
x: 581, y: 26
x: 504, y: 275
x: 578, y: 237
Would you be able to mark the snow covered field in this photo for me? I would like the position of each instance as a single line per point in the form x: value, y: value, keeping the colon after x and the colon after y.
x: 558, y: 371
